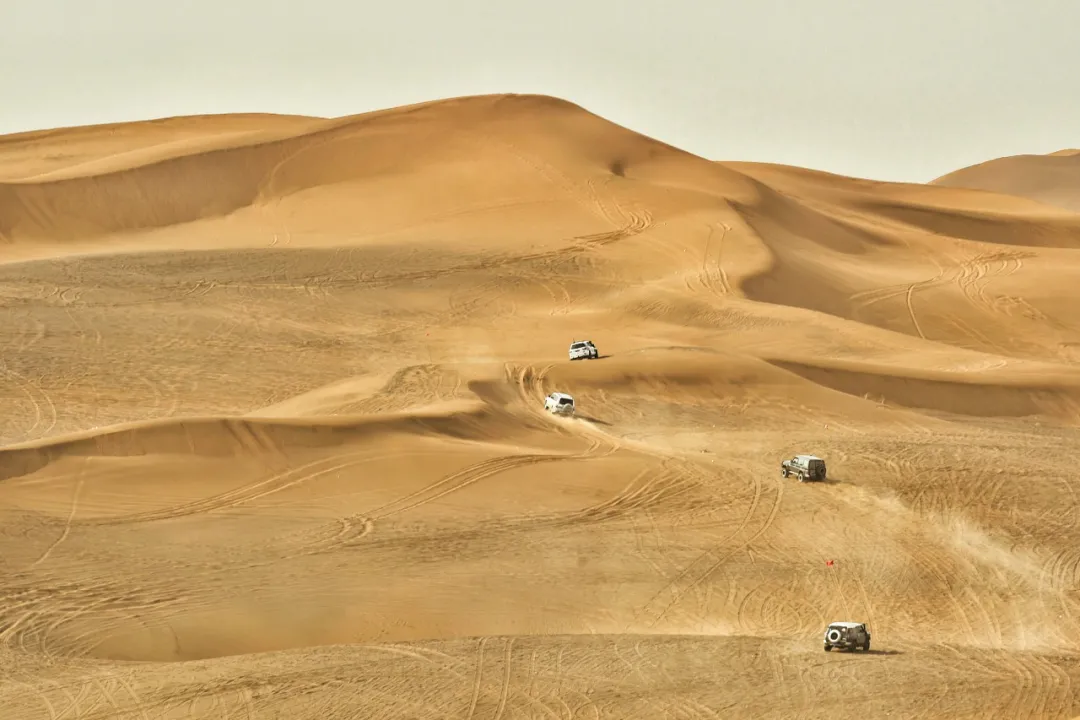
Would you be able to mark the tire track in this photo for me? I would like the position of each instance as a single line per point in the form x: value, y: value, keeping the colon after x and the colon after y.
x: 975, y: 273
x: 493, y: 297
x: 40, y: 608
x: 477, y: 679
x: 562, y: 301
x: 408, y: 387
x: 504, y: 693
x: 252, y: 491
x: 645, y: 491
x: 700, y: 569
x: 68, y: 522
x: 43, y: 409
x: 465, y: 477
x: 636, y: 221
x: 924, y: 551
x: 627, y: 222
x: 773, y: 611
x: 1036, y: 680
x: 347, y: 531
x: 712, y: 276
x: 866, y: 298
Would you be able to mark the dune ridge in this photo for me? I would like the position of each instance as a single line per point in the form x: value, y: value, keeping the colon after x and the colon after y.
x: 274, y: 440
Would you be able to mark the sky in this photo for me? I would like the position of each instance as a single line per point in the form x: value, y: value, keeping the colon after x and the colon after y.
x: 904, y: 91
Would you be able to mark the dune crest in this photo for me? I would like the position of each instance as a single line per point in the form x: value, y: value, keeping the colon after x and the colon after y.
x: 274, y: 439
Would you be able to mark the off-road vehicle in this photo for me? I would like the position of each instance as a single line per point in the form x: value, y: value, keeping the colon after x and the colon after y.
x: 583, y: 350
x: 847, y: 636
x: 559, y: 404
x: 804, y: 467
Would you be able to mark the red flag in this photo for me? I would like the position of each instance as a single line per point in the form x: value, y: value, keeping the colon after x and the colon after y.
x: 829, y: 563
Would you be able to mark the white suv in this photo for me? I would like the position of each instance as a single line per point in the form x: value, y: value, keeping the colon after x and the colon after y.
x: 559, y: 404
x: 583, y: 350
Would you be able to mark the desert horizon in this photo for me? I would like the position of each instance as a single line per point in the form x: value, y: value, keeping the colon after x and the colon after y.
x: 275, y: 440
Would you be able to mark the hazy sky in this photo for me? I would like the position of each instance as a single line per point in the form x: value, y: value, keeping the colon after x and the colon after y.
x: 890, y: 90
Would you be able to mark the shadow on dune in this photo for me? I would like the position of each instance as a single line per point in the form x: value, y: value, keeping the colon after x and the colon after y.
x: 229, y: 437
x: 981, y: 227
x: 1047, y: 396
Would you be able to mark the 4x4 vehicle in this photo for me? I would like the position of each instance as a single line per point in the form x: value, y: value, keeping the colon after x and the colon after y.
x: 559, y: 404
x: 583, y: 350
x: 847, y: 636
x: 804, y: 467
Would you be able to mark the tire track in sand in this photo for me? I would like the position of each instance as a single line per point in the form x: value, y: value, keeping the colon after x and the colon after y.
x: 712, y: 276
x: 251, y: 491
x: 461, y: 479
x: 527, y: 381
x: 866, y: 298
x: 42, y: 408
x: 702, y: 567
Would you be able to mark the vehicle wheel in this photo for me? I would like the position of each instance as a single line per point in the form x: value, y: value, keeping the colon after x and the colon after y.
x: 802, y: 478
x: 866, y: 645
x: 828, y: 648
x: 784, y: 472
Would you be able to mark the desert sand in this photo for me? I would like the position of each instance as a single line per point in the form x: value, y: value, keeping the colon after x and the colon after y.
x: 273, y: 440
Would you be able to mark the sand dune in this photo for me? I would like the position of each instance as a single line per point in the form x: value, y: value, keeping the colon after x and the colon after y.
x: 274, y: 441
x: 1053, y: 178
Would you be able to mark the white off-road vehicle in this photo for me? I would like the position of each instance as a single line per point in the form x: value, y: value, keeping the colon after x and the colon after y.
x: 559, y: 404
x: 583, y: 350
x: 847, y: 636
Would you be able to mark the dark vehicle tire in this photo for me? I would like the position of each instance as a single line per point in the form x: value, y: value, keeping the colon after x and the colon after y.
x: 784, y: 472
x: 828, y: 648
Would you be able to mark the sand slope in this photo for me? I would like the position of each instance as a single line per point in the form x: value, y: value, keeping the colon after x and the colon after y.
x: 274, y: 444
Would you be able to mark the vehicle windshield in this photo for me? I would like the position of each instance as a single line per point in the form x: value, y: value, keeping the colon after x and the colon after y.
x: 577, y: 346
x: 566, y: 401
